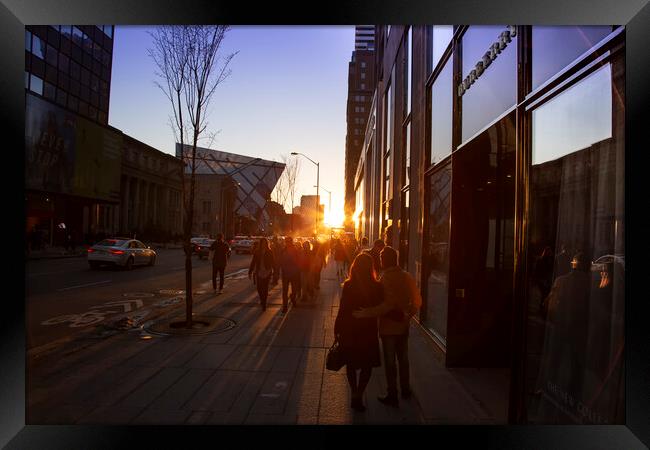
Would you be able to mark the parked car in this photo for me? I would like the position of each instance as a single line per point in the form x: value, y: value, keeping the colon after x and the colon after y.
x: 202, y: 247
x: 243, y: 246
x: 122, y: 252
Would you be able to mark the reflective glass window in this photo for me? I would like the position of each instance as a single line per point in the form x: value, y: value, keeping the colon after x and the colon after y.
x: 409, y: 69
x: 441, y: 114
x: 36, y: 84
x: 108, y: 29
x: 38, y: 47
x: 556, y: 47
x: 51, y: 55
x: 28, y: 41
x: 77, y: 36
x: 436, y: 252
x: 49, y: 91
x: 441, y: 36
x: 494, y: 90
x: 576, y: 255
x: 26, y: 80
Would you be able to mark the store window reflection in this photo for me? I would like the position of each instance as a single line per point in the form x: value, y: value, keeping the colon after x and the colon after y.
x: 437, y: 252
x: 441, y: 114
x: 556, y: 47
x: 495, y: 90
x: 576, y: 258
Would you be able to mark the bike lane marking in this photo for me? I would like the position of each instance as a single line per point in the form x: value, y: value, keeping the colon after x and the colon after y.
x: 84, y: 285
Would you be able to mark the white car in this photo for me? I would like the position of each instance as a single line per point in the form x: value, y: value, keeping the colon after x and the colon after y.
x: 123, y: 252
x: 243, y: 246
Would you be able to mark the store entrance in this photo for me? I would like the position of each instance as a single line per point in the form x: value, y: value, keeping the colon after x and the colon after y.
x: 481, y: 249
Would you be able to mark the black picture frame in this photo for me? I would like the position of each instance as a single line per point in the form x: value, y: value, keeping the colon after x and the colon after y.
x: 635, y: 14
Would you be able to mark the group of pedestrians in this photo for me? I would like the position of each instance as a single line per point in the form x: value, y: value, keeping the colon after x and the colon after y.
x: 373, y: 307
x: 298, y: 266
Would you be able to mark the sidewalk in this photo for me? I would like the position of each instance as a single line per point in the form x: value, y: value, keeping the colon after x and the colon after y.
x: 268, y: 369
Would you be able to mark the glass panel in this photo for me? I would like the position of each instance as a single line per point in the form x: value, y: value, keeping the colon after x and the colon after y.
x: 36, y: 84
x: 49, y: 91
x: 77, y: 36
x: 38, y: 47
x: 26, y: 80
x: 51, y: 55
x: 576, y: 259
x: 407, y: 156
x: 436, y: 257
x: 66, y: 30
x: 442, y: 35
x: 404, y: 231
x: 556, y: 47
x: 409, y: 69
x: 28, y: 41
x: 495, y: 89
x: 442, y: 93
x: 580, y: 117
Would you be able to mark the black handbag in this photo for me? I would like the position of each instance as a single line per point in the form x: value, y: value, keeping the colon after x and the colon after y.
x: 335, y: 357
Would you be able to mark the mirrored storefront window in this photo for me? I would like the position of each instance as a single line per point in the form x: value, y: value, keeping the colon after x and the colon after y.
x: 576, y: 256
x: 494, y: 90
x: 442, y: 35
x: 441, y: 114
x: 556, y: 47
x: 437, y: 252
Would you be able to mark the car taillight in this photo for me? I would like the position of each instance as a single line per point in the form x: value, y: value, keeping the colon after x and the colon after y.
x: 117, y: 252
x: 90, y: 250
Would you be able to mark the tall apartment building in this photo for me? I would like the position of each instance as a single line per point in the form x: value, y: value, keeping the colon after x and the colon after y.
x: 361, y: 84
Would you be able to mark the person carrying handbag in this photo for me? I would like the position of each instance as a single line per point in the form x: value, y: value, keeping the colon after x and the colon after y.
x: 262, y: 266
x: 358, y: 339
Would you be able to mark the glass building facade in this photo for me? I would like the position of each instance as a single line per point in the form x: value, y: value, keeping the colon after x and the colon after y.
x: 498, y: 172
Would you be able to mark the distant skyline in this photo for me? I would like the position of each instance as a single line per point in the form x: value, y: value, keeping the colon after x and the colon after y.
x: 287, y: 92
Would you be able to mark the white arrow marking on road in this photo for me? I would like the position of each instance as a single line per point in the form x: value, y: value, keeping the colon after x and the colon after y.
x: 125, y: 304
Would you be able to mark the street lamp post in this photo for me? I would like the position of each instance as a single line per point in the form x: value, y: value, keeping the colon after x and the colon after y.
x: 317, y: 185
x: 329, y: 204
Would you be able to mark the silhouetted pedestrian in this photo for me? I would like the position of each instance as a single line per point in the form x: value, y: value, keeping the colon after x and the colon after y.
x: 263, y: 266
x: 221, y: 253
x: 401, y: 301
x: 358, y: 336
x: 289, y: 266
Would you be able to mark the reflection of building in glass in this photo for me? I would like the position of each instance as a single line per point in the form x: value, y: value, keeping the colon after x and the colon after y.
x: 496, y: 194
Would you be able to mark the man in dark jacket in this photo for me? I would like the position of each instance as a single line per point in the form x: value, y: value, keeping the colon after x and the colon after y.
x: 375, y: 251
x: 290, y: 268
x: 221, y: 253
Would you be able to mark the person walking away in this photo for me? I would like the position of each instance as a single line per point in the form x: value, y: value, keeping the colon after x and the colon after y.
x: 358, y: 336
x: 375, y: 251
x: 318, y: 263
x: 220, y: 255
x: 306, y: 261
x: 401, y: 301
x: 339, y: 257
x: 289, y: 266
x: 364, y: 245
x: 263, y: 265
x: 276, y: 249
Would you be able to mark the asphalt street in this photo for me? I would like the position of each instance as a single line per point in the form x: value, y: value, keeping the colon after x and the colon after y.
x: 64, y: 297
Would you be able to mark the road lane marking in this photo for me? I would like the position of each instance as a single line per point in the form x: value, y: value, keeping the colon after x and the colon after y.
x: 84, y: 285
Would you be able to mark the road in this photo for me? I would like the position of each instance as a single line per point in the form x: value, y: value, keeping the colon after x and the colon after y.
x: 64, y: 297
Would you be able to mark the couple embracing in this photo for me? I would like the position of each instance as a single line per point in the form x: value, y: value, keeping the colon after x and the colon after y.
x: 370, y: 308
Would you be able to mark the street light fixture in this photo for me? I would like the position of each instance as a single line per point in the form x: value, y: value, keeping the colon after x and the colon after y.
x: 317, y: 185
x: 329, y: 206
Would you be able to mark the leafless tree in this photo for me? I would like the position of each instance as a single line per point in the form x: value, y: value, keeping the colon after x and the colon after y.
x: 189, y: 70
x: 285, y: 189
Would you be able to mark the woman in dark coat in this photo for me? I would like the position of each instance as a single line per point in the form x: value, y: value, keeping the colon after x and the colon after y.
x: 358, y: 337
x: 262, y: 266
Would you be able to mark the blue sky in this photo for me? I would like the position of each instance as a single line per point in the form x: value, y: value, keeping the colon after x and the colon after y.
x: 287, y: 92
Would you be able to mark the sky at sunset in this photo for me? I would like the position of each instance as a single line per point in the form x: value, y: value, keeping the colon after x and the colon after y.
x: 287, y: 92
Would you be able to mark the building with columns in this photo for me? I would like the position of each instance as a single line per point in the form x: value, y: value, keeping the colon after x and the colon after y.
x: 151, y: 192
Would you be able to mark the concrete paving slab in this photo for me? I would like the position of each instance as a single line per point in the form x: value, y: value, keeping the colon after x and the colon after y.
x: 273, y: 395
x: 111, y: 415
x: 313, y: 360
x: 183, y: 389
x: 153, y: 388
x: 304, y: 398
x: 211, y: 356
x: 219, y: 392
x: 288, y: 359
x: 161, y: 417
x: 250, y: 358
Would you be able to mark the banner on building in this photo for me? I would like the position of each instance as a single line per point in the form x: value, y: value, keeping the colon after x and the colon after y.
x: 68, y: 154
